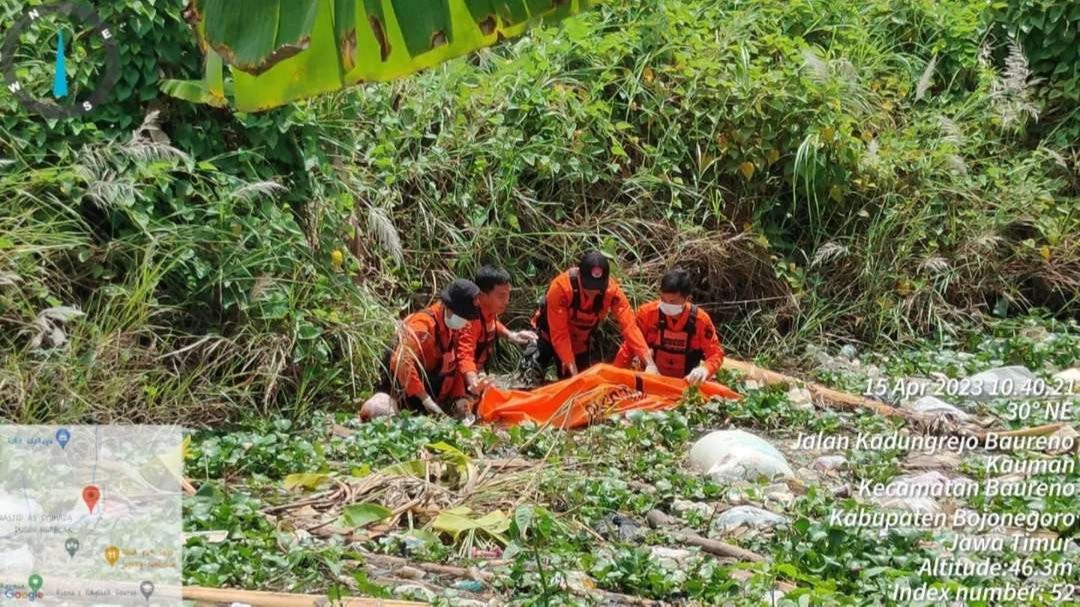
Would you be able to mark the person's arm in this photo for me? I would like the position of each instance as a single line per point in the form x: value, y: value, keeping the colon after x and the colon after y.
x: 631, y: 332
x: 466, y: 346
x: 558, y: 317
x: 521, y: 338
x: 623, y: 358
x: 466, y: 356
x: 710, y: 345
x: 408, y: 357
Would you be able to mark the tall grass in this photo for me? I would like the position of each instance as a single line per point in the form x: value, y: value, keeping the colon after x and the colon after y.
x: 207, y: 309
x: 792, y: 130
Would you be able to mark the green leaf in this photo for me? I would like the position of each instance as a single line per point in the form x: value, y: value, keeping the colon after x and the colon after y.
x: 362, y: 515
x: 523, y: 518
x: 457, y: 521
x: 254, y: 35
x: 428, y: 25
x: 786, y: 569
x: 307, y: 480
x: 368, y: 588
x: 413, y: 467
x: 450, y: 453
x: 194, y: 91
x: 284, y: 50
x: 345, y: 32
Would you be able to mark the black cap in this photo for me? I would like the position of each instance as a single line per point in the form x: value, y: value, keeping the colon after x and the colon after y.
x: 594, y: 270
x: 460, y: 297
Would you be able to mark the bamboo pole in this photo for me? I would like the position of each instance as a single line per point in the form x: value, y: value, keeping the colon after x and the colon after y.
x: 821, y: 393
x: 1043, y: 430
x: 850, y: 401
x: 226, y: 596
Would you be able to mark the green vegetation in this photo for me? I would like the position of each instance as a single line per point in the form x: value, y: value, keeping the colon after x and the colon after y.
x: 1047, y: 31
x: 829, y: 171
x: 283, y: 50
x: 902, y: 176
x: 560, y: 542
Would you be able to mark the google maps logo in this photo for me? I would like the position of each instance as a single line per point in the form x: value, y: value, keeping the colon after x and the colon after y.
x: 10, y: 592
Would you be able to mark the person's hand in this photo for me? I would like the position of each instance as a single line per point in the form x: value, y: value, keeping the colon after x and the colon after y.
x: 522, y: 338
x: 650, y: 368
x: 431, y: 406
x: 698, y: 375
x: 478, y: 383
x: 572, y: 369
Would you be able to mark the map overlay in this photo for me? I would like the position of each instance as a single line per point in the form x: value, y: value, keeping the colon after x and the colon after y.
x: 90, y: 515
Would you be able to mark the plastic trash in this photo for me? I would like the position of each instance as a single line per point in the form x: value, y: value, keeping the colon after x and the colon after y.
x: 681, y: 507
x: 800, y: 399
x: 673, y: 561
x: 730, y: 455
x: 828, y: 463
x: 675, y: 557
x: 469, y: 586
x: 747, y: 516
x: 619, y: 526
x: 935, y: 407
x: 1069, y: 378
x: 1014, y: 382
x: 779, y: 493
x: 910, y: 492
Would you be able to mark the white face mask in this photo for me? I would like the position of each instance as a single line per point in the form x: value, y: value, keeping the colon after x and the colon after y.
x: 455, y: 322
x: 671, y: 309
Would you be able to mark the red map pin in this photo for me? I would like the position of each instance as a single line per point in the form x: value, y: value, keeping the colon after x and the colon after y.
x: 91, y: 494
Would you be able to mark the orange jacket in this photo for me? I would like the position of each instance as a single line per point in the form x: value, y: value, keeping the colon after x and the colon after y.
x: 427, y: 349
x: 477, y: 342
x: 570, y: 330
x: 671, y: 356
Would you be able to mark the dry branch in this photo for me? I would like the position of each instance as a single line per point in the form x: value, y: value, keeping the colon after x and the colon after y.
x: 718, y: 548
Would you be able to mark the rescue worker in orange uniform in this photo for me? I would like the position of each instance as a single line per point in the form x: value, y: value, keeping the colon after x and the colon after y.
x: 478, y: 339
x: 680, y: 335
x: 422, y: 370
x: 576, y: 301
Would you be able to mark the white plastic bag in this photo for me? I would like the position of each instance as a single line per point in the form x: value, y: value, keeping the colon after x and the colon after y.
x: 747, y: 516
x: 730, y: 455
x: 935, y: 407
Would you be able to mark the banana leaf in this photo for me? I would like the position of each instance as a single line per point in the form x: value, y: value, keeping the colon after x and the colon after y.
x: 279, y: 51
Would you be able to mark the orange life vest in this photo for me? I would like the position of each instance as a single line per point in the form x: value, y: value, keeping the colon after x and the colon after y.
x: 583, y: 322
x: 672, y: 350
x: 443, y: 375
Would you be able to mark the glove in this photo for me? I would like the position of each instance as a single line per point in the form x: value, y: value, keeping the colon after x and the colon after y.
x: 522, y: 338
x: 698, y: 375
x: 479, y: 383
x: 651, y: 369
x: 431, y: 406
